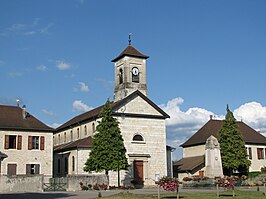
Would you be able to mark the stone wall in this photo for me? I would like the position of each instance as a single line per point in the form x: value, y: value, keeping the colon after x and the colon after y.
x: 74, y: 180
x: 21, y: 183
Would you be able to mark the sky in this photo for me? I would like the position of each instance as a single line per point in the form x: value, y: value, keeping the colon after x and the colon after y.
x: 55, y: 57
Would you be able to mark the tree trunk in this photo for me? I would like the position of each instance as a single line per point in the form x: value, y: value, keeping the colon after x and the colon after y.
x: 107, y: 176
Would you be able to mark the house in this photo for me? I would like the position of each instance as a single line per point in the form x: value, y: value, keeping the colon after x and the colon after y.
x: 193, y: 161
x: 26, y: 143
x: 141, y: 121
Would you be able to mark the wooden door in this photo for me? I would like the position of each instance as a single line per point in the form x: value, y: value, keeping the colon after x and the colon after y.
x: 138, y: 171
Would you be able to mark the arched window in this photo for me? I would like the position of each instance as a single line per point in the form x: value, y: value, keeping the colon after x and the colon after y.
x: 138, y: 137
x: 58, y: 138
x: 78, y: 133
x: 120, y: 76
x: 93, y: 127
x: 71, y: 135
x: 64, y: 137
x: 85, y: 130
x: 73, y: 163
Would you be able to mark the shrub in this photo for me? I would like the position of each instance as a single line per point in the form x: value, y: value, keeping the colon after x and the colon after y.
x: 168, y: 183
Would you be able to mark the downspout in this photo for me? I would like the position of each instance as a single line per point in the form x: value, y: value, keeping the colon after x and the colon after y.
x: 77, y: 160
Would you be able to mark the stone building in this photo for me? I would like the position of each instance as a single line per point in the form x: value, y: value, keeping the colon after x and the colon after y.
x: 26, y: 143
x: 141, y: 121
x: 194, y: 149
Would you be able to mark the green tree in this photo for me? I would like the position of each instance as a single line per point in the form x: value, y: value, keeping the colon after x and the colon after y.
x: 233, y: 150
x: 108, y: 151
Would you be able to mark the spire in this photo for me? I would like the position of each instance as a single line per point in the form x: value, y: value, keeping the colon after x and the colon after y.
x: 129, y: 38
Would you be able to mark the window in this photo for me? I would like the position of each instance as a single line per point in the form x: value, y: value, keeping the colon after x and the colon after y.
x: 138, y: 138
x: 249, y: 153
x: 32, y: 169
x: 73, y: 163
x: 78, y: 133
x: 120, y: 76
x: 58, y: 166
x: 64, y: 137
x: 59, y: 138
x: 85, y: 130
x: 66, y: 165
x: 260, y: 152
x: 36, y: 142
x: 13, y: 142
x: 71, y: 135
x: 135, y: 75
x: 12, y: 169
x: 93, y: 127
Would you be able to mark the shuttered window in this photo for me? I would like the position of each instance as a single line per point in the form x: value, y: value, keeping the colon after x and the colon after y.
x: 19, y: 142
x: 260, y: 153
x: 13, y: 142
x: 32, y: 169
x: 12, y: 169
x: 42, y: 142
x: 30, y: 142
x: 36, y: 142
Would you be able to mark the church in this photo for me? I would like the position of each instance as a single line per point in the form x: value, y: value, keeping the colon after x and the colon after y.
x: 141, y: 121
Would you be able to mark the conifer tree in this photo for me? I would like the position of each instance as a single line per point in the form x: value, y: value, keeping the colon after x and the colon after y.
x: 108, y: 151
x: 233, y: 150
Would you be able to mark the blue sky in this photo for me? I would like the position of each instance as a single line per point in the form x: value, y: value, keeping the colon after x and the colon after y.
x: 55, y: 56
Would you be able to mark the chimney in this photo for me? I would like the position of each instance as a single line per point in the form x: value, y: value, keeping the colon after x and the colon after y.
x: 17, y: 102
x: 24, y: 113
x: 211, y: 116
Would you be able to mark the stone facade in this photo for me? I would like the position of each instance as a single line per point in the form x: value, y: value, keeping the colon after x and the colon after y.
x: 25, y: 156
x: 142, y: 125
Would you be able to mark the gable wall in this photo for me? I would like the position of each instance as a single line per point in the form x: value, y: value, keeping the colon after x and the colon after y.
x: 26, y: 156
x: 139, y: 106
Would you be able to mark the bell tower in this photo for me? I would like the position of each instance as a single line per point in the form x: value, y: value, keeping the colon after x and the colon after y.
x: 130, y: 72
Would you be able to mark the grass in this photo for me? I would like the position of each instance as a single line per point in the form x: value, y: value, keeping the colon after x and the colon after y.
x: 223, y: 195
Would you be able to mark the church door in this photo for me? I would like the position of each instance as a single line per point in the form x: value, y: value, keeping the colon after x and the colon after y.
x: 138, y: 171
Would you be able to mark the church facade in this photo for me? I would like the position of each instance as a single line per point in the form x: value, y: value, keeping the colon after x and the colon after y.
x: 142, y: 125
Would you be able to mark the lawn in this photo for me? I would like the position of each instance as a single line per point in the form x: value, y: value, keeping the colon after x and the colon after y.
x: 223, y: 195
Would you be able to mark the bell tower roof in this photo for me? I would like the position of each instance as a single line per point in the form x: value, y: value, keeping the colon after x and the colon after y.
x: 131, y: 52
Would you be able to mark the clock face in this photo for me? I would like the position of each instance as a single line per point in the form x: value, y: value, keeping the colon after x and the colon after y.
x: 135, y: 71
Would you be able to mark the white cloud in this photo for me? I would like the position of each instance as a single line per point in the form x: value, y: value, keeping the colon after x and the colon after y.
x: 79, y: 106
x: 49, y: 113
x: 62, y: 65
x: 253, y: 114
x: 42, y: 68
x: 15, y: 74
x: 183, y: 124
x: 27, y: 29
x: 82, y: 87
x: 54, y: 125
x: 106, y: 84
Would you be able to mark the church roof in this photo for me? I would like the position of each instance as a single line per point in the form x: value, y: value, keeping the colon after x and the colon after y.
x: 93, y: 114
x: 11, y: 118
x: 82, y: 143
x: 131, y: 52
x: 189, y: 163
x: 212, y: 127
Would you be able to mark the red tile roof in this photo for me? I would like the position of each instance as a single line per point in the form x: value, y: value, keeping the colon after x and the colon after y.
x: 11, y: 119
x: 212, y: 127
x: 82, y: 143
x: 132, y: 52
x: 189, y: 163
x: 93, y: 114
